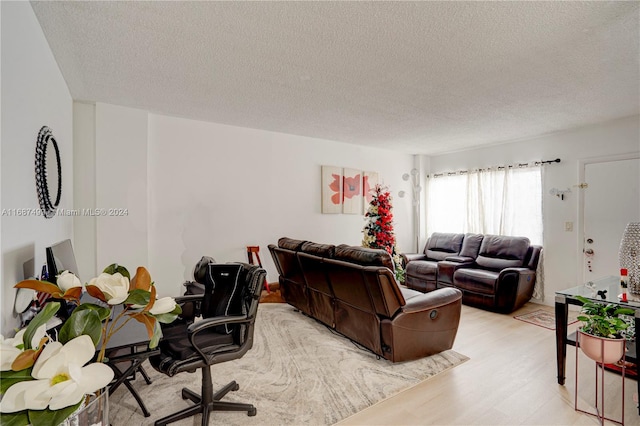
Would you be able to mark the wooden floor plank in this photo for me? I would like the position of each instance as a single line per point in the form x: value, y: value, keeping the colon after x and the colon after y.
x: 509, y: 380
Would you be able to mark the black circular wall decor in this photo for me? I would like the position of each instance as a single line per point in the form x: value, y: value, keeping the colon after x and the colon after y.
x: 46, y: 148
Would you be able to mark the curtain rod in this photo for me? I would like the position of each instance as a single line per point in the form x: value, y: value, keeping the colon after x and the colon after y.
x: 462, y: 172
x: 557, y: 160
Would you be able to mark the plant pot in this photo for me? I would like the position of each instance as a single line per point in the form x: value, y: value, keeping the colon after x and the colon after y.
x: 601, y: 349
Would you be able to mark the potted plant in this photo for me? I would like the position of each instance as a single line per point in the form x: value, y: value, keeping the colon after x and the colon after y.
x: 602, y: 335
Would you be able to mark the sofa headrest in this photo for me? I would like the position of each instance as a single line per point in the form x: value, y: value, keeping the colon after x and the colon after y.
x: 440, y: 245
x: 471, y: 245
x: 498, y: 252
x: 321, y: 250
x: 290, y: 243
x: 364, y: 256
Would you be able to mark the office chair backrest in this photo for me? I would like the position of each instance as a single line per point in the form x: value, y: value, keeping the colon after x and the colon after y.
x: 200, y: 270
x: 224, y: 289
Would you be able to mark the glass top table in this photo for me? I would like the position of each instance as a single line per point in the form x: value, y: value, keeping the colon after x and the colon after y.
x: 609, y: 287
x: 604, y: 290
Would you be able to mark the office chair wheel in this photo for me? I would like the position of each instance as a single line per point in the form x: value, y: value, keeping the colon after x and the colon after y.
x: 235, y: 388
x: 252, y: 412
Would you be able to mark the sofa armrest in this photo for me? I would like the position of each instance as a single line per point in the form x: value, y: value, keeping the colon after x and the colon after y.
x: 426, y: 325
x: 460, y: 259
x: 408, y: 257
x: 514, y: 288
x: 431, y: 300
x: 447, y: 268
x: 515, y: 275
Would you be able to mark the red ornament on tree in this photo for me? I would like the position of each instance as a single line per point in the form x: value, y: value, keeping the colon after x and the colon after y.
x: 378, y: 232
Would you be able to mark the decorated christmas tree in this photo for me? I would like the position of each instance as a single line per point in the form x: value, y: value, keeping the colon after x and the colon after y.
x: 378, y: 232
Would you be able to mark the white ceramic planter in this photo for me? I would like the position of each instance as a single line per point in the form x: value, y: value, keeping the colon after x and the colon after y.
x: 601, y: 349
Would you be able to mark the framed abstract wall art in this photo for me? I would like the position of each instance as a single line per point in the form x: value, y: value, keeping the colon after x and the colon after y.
x: 351, y: 191
x: 369, y: 181
x: 331, y: 189
x: 346, y: 190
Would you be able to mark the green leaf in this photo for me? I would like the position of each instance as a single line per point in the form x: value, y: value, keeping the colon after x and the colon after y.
x: 86, y: 321
x: 103, y: 313
x: 138, y: 297
x: 45, y: 314
x: 157, y: 335
x: 624, y: 311
x: 167, y: 318
x: 8, y: 378
x: 115, y: 268
x: 14, y: 419
x: 51, y: 418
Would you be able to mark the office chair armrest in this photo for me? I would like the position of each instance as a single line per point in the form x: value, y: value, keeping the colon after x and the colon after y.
x: 188, y: 298
x: 207, y: 323
x: 214, y: 322
x: 190, y: 306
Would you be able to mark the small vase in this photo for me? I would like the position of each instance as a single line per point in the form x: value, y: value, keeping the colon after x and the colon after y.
x: 629, y: 255
x: 601, y: 349
x: 94, y: 412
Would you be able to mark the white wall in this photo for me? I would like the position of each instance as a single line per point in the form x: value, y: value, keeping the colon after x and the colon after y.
x: 562, y: 249
x: 121, y: 187
x: 84, y: 188
x: 194, y: 188
x: 34, y: 94
x: 214, y: 189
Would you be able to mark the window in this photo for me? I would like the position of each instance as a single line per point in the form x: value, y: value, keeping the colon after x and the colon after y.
x: 500, y: 201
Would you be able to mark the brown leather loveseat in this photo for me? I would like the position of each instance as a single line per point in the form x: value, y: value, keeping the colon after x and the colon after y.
x: 353, y: 290
x: 494, y: 272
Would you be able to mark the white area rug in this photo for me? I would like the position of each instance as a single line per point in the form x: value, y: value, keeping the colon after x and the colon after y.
x: 298, y: 372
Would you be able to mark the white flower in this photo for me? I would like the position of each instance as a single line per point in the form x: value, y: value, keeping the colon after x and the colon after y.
x: 8, y: 353
x: 62, y: 381
x: 114, y: 287
x: 163, y: 306
x: 9, y: 350
x: 67, y: 280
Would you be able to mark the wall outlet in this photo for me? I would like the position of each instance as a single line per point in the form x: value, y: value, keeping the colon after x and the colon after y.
x: 568, y: 226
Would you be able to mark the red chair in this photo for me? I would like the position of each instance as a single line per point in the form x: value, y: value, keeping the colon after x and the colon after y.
x: 250, y: 251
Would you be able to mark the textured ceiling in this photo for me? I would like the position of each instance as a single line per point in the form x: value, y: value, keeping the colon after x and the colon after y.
x: 423, y: 77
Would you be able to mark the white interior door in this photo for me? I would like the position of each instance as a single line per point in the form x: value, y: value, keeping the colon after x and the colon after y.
x: 611, y: 201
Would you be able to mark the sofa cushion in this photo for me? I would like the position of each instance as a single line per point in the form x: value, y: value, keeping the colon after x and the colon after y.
x: 425, y: 269
x: 290, y: 243
x: 498, y: 252
x: 440, y: 245
x: 476, y: 280
x: 321, y: 250
x: 363, y: 256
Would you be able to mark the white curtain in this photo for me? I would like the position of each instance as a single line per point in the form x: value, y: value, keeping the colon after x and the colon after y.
x: 499, y: 200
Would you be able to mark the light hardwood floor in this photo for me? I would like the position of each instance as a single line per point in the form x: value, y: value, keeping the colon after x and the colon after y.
x: 509, y: 380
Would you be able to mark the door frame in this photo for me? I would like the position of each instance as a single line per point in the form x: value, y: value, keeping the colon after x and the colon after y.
x: 580, y: 235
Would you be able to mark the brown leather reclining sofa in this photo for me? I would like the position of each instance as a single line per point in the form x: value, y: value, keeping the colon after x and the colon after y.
x: 353, y: 290
x: 494, y: 272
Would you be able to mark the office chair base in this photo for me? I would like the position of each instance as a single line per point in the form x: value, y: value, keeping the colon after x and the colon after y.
x: 211, y: 403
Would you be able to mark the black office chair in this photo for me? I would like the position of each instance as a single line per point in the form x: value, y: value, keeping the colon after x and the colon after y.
x: 228, y: 308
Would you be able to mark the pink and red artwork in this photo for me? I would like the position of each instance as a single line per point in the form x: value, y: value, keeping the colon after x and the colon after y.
x: 352, y: 191
x: 331, y: 189
x: 369, y: 182
x: 346, y: 190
